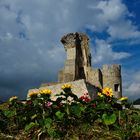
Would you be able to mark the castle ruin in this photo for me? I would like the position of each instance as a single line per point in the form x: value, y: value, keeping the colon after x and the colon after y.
x: 78, y: 71
x: 78, y: 65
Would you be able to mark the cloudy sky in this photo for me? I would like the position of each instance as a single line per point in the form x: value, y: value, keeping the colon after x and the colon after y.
x: 30, y: 33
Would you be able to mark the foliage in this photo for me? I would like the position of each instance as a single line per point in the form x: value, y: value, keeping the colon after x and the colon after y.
x: 70, y: 116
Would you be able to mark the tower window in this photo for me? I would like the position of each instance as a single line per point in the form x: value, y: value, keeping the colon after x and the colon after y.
x: 116, y: 87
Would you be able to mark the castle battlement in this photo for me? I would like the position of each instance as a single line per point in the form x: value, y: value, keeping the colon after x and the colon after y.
x: 112, y: 70
x: 111, y: 67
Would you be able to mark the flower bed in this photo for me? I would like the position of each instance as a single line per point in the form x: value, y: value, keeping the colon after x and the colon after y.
x: 40, y: 117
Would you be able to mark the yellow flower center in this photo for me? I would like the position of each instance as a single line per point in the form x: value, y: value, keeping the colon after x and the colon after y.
x: 107, y: 91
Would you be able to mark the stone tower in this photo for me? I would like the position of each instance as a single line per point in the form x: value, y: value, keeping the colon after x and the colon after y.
x: 78, y: 65
x: 112, y: 78
x: 78, y: 57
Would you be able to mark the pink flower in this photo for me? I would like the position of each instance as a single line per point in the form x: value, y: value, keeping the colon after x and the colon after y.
x: 49, y: 104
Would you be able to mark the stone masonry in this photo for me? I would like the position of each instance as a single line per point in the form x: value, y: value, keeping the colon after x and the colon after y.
x: 78, y: 65
x: 78, y: 71
x: 79, y: 87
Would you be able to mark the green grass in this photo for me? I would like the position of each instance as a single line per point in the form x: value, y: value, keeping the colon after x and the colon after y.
x: 82, y: 132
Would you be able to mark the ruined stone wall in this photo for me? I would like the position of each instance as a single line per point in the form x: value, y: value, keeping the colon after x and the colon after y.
x: 94, y: 77
x: 68, y: 72
x: 79, y: 87
x: 112, y: 78
x: 78, y: 57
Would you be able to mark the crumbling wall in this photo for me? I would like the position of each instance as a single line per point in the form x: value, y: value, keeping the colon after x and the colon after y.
x: 94, y: 77
x: 78, y: 57
x: 79, y: 87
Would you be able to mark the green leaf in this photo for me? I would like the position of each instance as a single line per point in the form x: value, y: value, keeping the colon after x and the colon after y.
x: 35, y: 102
x: 59, y: 115
x: 103, y: 106
x: 51, y: 132
x: 34, y: 116
x: 48, y: 122
x: 109, y: 119
x: 31, y: 125
x: 77, y: 109
x: 9, y: 114
x: 99, y: 120
x: 82, y: 108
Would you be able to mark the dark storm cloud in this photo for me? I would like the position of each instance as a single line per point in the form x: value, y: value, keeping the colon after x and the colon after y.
x: 25, y: 66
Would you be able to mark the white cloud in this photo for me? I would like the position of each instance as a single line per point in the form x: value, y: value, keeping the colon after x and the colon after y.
x: 112, y: 10
x: 137, y: 76
x: 123, y: 30
x: 103, y: 53
x: 48, y: 20
x: 132, y: 87
x: 113, y: 18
